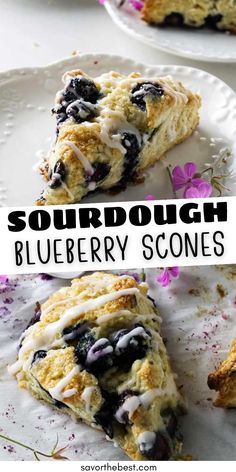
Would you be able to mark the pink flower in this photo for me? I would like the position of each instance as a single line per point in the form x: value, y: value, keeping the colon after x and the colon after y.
x: 165, y: 277
x: 185, y: 177
x: 3, y: 279
x: 137, y: 4
x: 101, y: 2
x: 203, y: 190
x: 150, y: 197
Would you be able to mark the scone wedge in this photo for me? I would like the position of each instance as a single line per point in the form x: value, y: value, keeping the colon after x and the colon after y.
x: 95, y: 351
x: 215, y: 14
x: 110, y: 129
x: 223, y: 380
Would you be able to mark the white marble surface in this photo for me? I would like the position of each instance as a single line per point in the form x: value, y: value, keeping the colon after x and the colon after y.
x: 38, y: 32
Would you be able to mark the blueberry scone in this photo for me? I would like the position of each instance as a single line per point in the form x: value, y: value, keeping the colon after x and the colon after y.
x: 216, y: 14
x: 94, y: 350
x: 223, y: 380
x: 112, y: 128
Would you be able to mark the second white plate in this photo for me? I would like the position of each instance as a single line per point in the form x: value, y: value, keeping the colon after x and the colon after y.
x: 201, y: 45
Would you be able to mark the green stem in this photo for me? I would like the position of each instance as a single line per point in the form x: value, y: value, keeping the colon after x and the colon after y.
x: 14, y: 441
x: 143, y: 275
x: 171, y: 181
x: 206, y: 170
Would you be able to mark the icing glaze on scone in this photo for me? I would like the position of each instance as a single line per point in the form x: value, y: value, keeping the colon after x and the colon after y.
x: 215, y: 14
x: 110, y: 129
x: 96, y: 352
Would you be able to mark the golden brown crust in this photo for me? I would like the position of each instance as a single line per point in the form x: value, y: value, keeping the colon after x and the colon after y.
x: 223, y: 380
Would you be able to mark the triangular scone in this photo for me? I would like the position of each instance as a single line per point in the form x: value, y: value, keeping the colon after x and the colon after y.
x: 110, y: 129
x: 215, y: 14
x: 223, y: 380
x: 96, y: 351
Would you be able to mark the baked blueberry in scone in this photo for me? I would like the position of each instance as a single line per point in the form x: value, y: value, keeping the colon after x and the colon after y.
x: 96, y: 352
x: 223, y: 380
x: 216, y: 14
x: 111, y: 128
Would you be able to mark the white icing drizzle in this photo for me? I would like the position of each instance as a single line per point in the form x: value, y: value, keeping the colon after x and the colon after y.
x: 115, y: 120
x: 82, y: 106
x: 83, y: 160
x: 176, y: 94
x: 86, y: 396
x: 14, y: 368
x: 69, y: 393
x: 123, y: 341
x: 56, y: 392
x: 110, y: 316
x: 94, y: 352
x: 146, y: 440
x: 131, y: 404
x: 56, y: 304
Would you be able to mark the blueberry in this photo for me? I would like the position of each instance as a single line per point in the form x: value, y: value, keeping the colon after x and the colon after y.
x: 134, y: 347
x: 72, y: 333
x: 36, y: 317
x: 143, y: 90
x: 85, y: 343
x: 101, y: 170
x: 131, y: 144
x: 93, y: 354
x: 160, y: 450
x: 174, y: 19
x: 38, y: 355
x: 61, y: 115
x: 58, y: 175
x: 80, y: 87
x: 103, y: 418
x: 80, y: 111
x: 212, y: 20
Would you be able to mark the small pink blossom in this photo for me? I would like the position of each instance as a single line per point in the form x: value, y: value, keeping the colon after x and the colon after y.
x: 150, y: 197
x: 3, y: 279
x: 185, y: 177
x: 137, y: 4
x: 203, y: 190
x: 164, y: 278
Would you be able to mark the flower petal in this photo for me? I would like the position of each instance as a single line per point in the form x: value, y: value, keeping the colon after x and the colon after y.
x: 191, y: 192
x: 190, y: 169
x: 137, y: 4
x: 178, y: 178
x: 196, y: 182
x: 149, y: 197
x: 164, y: 278
x: 174, y: 271
x: 205, y: 189
x: 3, y: 279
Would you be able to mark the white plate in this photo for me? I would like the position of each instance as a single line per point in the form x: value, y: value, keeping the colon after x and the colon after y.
x: 26, y: 125
x: 201, y: 45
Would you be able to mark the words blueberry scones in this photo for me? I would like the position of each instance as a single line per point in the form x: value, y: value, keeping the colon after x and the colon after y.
x: 112, y: 128
x: 223, y: 380
x: 94, y: 350
x: 217, y: 14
